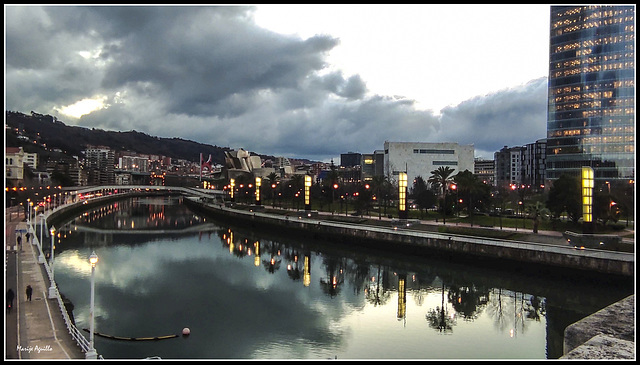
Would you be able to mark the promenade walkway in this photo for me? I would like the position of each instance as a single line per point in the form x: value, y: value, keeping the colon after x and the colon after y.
x: 33, y: 329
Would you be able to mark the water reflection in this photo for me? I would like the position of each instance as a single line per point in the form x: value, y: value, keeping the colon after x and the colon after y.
x: 247, y: 294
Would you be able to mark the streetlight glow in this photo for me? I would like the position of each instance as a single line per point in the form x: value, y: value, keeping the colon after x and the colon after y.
x: 93, y: 259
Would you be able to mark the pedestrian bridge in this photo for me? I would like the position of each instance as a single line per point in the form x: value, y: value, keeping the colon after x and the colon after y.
x: 97, y: 191
x: 71, y: 199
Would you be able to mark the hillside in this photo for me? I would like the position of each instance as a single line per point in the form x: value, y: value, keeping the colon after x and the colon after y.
x: 46, y: 130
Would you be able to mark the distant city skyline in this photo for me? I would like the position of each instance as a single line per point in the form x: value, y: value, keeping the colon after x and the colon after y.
x: 242, y: 77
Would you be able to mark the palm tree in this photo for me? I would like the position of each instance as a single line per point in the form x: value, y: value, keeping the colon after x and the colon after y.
x: 272, y: 178
x: 537, y: 212
x: 442, y: 177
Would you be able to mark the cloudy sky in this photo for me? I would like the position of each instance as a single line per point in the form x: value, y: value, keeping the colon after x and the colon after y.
x: 296, y: 81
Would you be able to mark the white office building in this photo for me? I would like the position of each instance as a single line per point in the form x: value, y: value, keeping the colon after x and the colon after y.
x: 420, y: 158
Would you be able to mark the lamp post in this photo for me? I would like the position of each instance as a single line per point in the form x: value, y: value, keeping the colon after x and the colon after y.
x: 31, y: 228
x: 29, y: 205
x: 91, y: 353
x: 41, y: 255
x: 273, y: 195
x: 333, y: 191
x: 52, y: 288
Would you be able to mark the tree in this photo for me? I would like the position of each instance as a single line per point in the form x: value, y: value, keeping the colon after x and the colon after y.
x: 296, y: 183
x: 565, y: 196
x: 537, y: 212
x: 362, y: 202
x: 422, y: 195
x: 271, y: 179
x: 441, y: 177
x: 471, y: 188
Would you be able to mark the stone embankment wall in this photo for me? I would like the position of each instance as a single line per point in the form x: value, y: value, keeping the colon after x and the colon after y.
x: 606, y: 334
x: 614, y: 263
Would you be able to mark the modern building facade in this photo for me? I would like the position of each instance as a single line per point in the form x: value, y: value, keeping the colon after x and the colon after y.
x: 485, y: 170
x: 534, y: 164
x: 420, y: 158
x: 99, y: 165
x: 508, y: 166
x: 591, y: 109
x: 521, y: 165
x: 350, y: 159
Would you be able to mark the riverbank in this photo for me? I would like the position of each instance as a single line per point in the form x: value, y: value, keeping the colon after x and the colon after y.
x: 545, y: 250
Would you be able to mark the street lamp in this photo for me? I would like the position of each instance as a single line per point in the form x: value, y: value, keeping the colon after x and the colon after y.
x: 91, y: 353
x: 29, y: 205
x: 41, y: 256
x: 335, y: 187
x: 273, y: 195
x: 52, y: 288
x: 32, y: 228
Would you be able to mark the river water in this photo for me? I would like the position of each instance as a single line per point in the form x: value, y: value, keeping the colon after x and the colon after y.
x: 256, y: 295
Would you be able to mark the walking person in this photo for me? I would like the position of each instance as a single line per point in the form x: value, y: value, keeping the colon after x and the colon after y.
x: 19, y: 240
x: 27, y: 236
x: 29, y: 292
x: 10, y: 296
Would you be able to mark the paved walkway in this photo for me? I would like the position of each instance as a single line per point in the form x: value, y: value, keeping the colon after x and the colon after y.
x: 33, y: 329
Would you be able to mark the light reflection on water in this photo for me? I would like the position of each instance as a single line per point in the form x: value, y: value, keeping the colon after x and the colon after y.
x: 245, y: 295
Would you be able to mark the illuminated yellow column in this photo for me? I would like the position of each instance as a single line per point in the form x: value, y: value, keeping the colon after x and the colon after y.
x: 258, y: 183
x: 232, y: 183
x: 587, y: 197
x: 402, y: 296
x: 402, y: 195
x: 306, y: 277
x: 307, y: 192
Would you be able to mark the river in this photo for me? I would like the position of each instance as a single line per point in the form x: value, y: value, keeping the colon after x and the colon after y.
x: 258, y: 295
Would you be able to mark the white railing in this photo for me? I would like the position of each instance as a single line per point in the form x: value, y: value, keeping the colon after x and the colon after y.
x: 82, y: 341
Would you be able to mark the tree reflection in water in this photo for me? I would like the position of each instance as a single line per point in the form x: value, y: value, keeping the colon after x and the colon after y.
x: 293, y: 264
x: 439, y: 318
x: 468, y: 300
x: 332, y: 282
x: 510, y: 310
x: 373, y: 293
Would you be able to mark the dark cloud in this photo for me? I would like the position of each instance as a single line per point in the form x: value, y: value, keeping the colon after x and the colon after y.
x: 210, y: 74
x: 513, y: 117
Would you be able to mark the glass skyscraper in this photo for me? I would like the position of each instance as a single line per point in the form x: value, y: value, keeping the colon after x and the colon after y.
x: 591, y: 112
